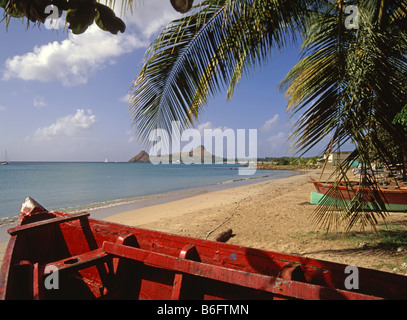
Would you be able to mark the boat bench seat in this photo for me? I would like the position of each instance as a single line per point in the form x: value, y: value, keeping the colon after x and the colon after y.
x: 80, y: 261
x: 84, y: 260
x: 73, y: 263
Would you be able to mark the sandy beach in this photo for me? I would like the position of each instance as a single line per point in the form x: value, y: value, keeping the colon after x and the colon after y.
x: 272, y: 215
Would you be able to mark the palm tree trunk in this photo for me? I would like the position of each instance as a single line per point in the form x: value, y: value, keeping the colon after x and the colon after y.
x: 340, y: 9
x: 381, y: 13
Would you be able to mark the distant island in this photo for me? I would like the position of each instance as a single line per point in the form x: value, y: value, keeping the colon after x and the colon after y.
x: 201, y: 156
x: 141, y: 157
x: 268, y: 163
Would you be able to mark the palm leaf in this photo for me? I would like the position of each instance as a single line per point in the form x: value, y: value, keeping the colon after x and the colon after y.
x: 349, y: 86
x: 199, y: 55
x: 366, y: 207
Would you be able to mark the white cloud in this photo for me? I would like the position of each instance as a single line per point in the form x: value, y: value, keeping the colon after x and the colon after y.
x: 39, y: 102
x: 70, y: 125
x: 278, y: 142
x: 269, y: 124
x: 125, y: 98
x: 150, y: 17
x: 73, y: 60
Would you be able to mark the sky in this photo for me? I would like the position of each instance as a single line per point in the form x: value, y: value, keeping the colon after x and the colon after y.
x: 64, y: 97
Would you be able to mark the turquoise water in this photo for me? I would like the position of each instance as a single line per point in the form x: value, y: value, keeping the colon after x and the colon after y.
x: 60, y: 185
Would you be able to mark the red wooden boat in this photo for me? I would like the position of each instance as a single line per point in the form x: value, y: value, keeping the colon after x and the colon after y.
x: 55, y: 255
x: 395, y: 198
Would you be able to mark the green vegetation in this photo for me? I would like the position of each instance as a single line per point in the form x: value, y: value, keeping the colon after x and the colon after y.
x: 401, y: 117
x: 389, y: 240
x: 287, y: 161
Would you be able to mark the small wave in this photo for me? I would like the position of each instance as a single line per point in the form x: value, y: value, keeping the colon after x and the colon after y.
x: 8, y: 220
x: 106, y: 204
x: 224, y: 182
x: 259, y: 177
x: 243, y: 179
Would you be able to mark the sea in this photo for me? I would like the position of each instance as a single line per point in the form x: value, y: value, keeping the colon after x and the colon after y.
x: 82, y: 186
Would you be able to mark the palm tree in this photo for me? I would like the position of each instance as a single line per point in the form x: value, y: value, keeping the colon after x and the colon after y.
x: 352, y: 85
x: 349, y: 83
x: 206, y: 51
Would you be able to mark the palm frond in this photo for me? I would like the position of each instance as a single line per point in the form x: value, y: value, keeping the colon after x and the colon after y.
x: 367, y: 205
x: 205, y: 52
x: 349, y: 86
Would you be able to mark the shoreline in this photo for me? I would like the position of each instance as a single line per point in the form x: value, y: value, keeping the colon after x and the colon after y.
x: 155, y: 205
x: 272, y: 215
x: 113, y: 207
x: 161, y: 216
x: 167, y: 197
x: 109, y: 185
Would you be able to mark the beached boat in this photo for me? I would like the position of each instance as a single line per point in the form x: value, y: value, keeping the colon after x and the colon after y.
x: 395, y: 199
x: 55, y: 255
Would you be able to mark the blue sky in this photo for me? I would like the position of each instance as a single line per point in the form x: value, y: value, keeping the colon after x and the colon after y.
x: 63, y: 97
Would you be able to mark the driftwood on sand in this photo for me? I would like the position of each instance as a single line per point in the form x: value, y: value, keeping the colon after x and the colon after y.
x: 224, y: 236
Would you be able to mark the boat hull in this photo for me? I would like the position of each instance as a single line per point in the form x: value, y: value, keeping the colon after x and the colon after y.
x: 92, y: 259
x: 390, y: 196
x: 318, y: 198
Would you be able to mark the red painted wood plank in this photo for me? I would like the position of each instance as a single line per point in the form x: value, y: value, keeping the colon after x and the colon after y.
x: 30, y: 226
x: 5, y: 268
x: 80, y: 261
x: 271, y: 284
x: 179, y: 277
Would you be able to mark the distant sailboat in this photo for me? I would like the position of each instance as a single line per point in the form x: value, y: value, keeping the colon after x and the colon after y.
x: 106, y: 161
x: 5, y: 159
